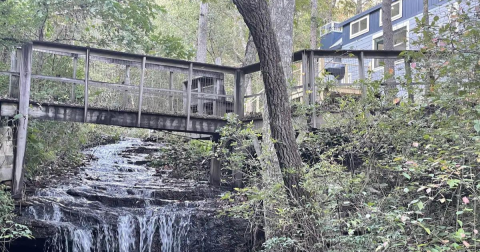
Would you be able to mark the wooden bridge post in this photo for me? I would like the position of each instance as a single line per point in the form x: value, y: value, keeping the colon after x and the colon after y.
x: 74, y: 75
x: 140, y: 96
x: 361, y: 73
x: 23, y: 104
x: 238, y: 94
x: 313, y: 89
x: 189, y: 95
x: 85, y: 92
x: 305, y: 78
x: 215, y: 171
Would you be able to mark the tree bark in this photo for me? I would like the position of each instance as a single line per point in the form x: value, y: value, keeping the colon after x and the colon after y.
x: 359, y: 6
x: 389, y: 67
x: 202, y: 33
x: 313, y: 24
x: 257, y: 17
x: 282, y: 12
x: 426, y: 18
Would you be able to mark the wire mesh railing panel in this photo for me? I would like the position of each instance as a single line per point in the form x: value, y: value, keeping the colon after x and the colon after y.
x: 112, y: 70
x: 5, y: 66
x: 57, y: 92
x: 213, y: 105
x: 117, y: 99
x: 5, y: 58
x: 163, y: 102
x: 56, y: 64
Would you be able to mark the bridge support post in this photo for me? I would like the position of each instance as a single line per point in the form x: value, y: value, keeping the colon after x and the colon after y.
x: 361, y: 71
x: 215, y: 171
x: 23, y: 104
x: 313, y: 88
x: 239, y: 100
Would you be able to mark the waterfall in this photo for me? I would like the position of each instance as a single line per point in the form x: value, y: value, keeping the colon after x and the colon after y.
x: 108, y: 210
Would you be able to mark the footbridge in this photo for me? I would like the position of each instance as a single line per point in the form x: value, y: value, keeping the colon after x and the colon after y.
x: 50, y: 81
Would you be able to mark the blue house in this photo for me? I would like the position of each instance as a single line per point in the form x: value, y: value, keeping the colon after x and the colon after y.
x: 365, y: 32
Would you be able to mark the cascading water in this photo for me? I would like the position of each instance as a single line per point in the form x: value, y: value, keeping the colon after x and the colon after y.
x: 115, y: 205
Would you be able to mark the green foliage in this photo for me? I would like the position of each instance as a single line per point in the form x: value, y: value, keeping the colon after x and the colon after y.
x: 187, y: 158
x: 386, y: 177
x: 9, y: 230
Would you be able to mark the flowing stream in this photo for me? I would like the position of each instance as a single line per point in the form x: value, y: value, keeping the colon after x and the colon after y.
x: 117, y: 203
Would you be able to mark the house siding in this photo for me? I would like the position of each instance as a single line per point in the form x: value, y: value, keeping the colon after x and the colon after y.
x: 410, y: 9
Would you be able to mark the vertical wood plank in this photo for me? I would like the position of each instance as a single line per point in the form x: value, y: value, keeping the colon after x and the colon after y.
x: 140, y: 98
x: 305, y: 78
x: 87, y: 77
x: 23, y: 104
x: 74, y: 76
x: 170, y: 97
x: 238, y: 94
x: 215, y: 169
x: 361, y: 71
x: 313, y: 88
x: 189, y: 95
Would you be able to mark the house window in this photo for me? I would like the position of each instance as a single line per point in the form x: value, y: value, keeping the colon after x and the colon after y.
x: 399, y: 43
x: 396, y: 11
x: 359, y: 27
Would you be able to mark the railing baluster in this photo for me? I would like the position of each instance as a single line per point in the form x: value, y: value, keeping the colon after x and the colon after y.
x: 140, y: 98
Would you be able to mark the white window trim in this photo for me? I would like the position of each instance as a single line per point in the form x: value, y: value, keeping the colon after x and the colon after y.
x: 398, y: 16
x: 353, y: 35
x: 380, y: 34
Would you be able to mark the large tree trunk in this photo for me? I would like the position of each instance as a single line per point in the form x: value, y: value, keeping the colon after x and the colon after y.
x: 257, y: 17
x: 389, y: 67
x: 202, y: 33
x: 282, y: 12
x: 313, y: 24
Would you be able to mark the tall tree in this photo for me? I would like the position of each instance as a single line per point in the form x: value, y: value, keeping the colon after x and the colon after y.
x: 359, y: 7
x: 426, y: 18
x: 202, y: 33
x: 313, y: 24
x: 257, y: 17
x: 282, y: 12
x: 389, y: 67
